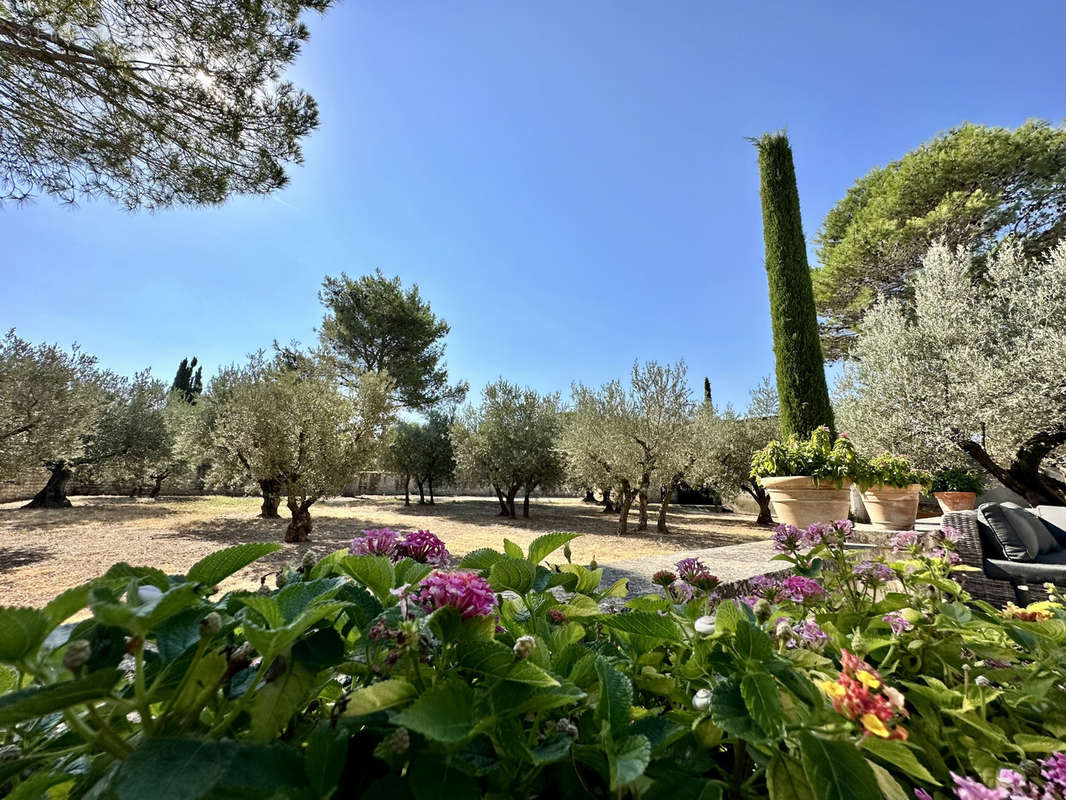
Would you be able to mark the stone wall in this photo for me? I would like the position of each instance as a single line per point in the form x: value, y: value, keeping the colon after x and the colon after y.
x: 24, y: 485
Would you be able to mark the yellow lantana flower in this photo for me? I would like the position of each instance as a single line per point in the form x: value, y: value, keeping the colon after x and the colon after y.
x: 867, y: 679
x: 875, y: 726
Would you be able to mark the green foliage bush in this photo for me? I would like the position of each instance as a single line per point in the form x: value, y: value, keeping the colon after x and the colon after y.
x: 957, y: 480
x: 819, y: 457
x: 891, y: 470
x: 368, y: 673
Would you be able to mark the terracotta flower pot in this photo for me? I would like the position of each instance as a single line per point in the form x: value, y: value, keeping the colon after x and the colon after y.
x: 892, y: 507
x: 955, y: 501
x: 798, y: 501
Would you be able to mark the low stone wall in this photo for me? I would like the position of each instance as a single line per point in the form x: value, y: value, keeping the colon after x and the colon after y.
x: 23, y: 486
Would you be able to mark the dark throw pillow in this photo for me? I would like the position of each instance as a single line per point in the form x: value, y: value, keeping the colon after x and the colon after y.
x: 1023, y: 518
x: 1016, y: 547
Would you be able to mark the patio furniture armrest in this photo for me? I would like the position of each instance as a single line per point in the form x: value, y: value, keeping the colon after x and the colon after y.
x: 969, y: 546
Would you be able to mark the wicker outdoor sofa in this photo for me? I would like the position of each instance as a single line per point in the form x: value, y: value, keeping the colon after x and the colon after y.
x: 1002, y: 579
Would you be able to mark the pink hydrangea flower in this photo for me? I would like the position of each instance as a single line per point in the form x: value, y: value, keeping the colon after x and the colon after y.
x: 425, y: 547
x: 800, y: 589
x: 874, y: 572
x: 378, y: 542
x: 466, y: 591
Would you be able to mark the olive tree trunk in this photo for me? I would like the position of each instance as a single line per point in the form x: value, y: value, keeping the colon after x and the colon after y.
x: 299, y: 529
x: 642, y: 504
x: 608, y: 506
x: 760, y: 496
x: 271, y: 490
x: 54, y: 493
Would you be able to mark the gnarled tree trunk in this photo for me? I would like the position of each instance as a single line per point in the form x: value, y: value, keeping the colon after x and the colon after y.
x: 525, y: 499
x: 590, y: 496
x: 299, y: 529
x: 504, y: 512
x: 421, y: 491
x: 760, y: 496
x: 54, y: 493
x: 271, y: 490
x: 511, y: 494
x: 407, y: 489
x: 431, y: 490
x: 625, y: 503
x: 1024, y: 475
x: 642, y: 504
x: 158, y: 486
x: 608, y: 506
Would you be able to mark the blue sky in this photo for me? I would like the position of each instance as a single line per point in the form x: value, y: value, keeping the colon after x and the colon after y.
x: 569, y: 183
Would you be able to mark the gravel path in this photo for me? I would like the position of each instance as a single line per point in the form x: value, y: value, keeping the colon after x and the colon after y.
x: 733, y: 565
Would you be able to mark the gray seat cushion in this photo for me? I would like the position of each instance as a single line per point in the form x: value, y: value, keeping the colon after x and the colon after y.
x: 1054, y: 519
x: 1050, y: 567
x: 1027, y: 519
x: 1017, y: 544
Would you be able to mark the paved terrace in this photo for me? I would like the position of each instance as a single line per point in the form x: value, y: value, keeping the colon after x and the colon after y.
x: 733, y: 564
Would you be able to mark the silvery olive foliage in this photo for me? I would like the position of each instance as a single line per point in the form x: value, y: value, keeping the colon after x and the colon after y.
x: 511, y: 441
x: 973, y: 370
x: 630, y: 434
x: 49, y: 399
x: 299, y: 426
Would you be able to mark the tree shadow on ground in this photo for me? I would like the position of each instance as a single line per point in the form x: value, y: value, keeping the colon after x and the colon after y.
x: 15, y: 557
x: 84, y: 511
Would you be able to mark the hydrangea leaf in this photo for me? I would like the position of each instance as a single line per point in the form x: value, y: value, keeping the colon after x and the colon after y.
x: 215, y: 568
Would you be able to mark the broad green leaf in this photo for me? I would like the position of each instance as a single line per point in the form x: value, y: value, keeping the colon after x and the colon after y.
x: 8, y: 679
x: 543, y: 546
x: 374, y: 572
x: 643, y: 623
x: 295, y: 598
x: 41, y: 700
x: 266, y: 607
x: 497, y: 660
x: 890, y: 787
x: 1038, y: 744
x: 512, y: 550
x: 902, y: 757
x: 273, y: 640
x: 378, y: 697
x: 276, y: 703
x: 37, y: 786
x: 327, y: 565
x: 836, y: 770
x: 187, y: 769
x: 445, y: 713
x: 581, y: 605
x: 627, y: 760
x: 554, y: 749
x: 319, y: 650
x: 208, y: 671
x: 730, y: 712
x: 324, y: 759
x: 122, y: 572
x: 727, y: 616
x: 785, y: 779
x: 620, y: 588
x: 411, y: 572
x: 481, y: 559
x: 567, y: 580
x: 215, y: 568
x: 588, y: 580
x: 21, y: 632
x: 515, y: 574
x: 752, y: 643
x: 67, y: 604
x: 509, y: 698
x: 615, y: 697
x: 763, y: 702
x: 142, y: 619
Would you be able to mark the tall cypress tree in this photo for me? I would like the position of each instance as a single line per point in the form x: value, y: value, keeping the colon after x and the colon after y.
x: 187, y: 382
x: 707, y: 391
x: 801, y: 384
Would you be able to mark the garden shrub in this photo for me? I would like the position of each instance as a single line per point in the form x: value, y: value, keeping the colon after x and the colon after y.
x: 383, y: 671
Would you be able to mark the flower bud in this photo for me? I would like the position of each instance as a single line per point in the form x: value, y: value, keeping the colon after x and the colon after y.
x: 210, y: 625
x: 982, y: 681
x: 593, y: 564
x: 241, y: 657
x: 148, y: 594
x: 762, y: 609
x: 77, y: 654
x: 701, y: 701
x: 704, y: 625
x: 309, y: 560
x: 566, y: 726
x: 399, y: 741
x: 524, y: 647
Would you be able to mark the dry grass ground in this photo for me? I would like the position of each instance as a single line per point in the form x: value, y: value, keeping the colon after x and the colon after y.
x: 44, y: 552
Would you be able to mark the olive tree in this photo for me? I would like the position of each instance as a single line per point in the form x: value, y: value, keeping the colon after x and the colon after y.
x: 50, y: 398
x: 511, y: 441
x: 631, y: 433
x: 973, y: 368
x: 725, y: 443
x: 423, y: 452
x: 302, y: 428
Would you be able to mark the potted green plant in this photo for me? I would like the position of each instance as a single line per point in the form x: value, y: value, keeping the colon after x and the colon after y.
x: 808, y: 481
x: 890, y: 490
x: 956, y: 489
